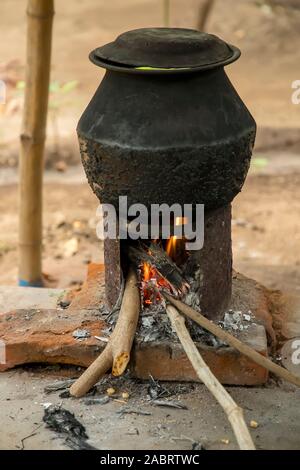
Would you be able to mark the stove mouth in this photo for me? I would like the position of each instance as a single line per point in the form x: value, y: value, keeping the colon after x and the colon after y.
x: 162, y: 265
x: 175, y: 262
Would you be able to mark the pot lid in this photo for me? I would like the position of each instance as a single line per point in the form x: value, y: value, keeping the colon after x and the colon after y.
x: 163, y: 50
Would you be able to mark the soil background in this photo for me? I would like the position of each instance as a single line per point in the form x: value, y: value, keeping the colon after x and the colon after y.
x: 266, y: 215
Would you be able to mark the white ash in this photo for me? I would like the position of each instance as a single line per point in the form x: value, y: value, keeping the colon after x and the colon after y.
x: 154, y: 325
x: 81, y: 334
x: 236, y: 320
x: 193, y: 299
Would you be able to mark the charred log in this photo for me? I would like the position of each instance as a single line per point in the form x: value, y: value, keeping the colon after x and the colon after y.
x: 157, y: 258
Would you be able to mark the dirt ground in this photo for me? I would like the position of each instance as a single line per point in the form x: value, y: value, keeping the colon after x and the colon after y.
x: 22, y: 401
x: 266, y: 222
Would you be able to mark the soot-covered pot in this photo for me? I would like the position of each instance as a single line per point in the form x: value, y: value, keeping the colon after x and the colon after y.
x: 166, y: 124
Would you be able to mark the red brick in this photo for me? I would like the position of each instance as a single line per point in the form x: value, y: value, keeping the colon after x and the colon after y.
x: 46, y: 336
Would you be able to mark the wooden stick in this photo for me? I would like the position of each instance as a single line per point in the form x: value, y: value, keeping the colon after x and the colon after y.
x: 123, y: 334
x: 39, y: 36
x: 233, y: 411
x: 117, y: 351
x: 232, y: 341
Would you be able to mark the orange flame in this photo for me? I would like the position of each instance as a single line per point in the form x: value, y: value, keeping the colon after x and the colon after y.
x: 151, y: 281
x: 172, y: 243
x: 171, y: 246
x: 146, y: 272
x: 151, y: 278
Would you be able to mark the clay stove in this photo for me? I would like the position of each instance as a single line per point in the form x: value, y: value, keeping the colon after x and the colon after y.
x: 167, y: 126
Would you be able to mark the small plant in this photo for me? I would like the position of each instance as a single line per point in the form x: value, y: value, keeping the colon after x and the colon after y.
x: 258, y: 163
x: 57, y: 92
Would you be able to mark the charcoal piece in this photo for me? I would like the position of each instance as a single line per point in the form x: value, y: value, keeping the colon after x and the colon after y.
x: 97, y: 401
x: 64, y: 303
x: 170, y: 404
x: 59, y: 385
x: 63, y: 421
x: 156, y: 390
x: 65, y: 394
x: 197, y: 446
x: 159, y: 259
x: 129, y: 411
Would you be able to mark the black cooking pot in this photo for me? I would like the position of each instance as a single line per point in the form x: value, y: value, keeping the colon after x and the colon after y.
x: 166, y: 124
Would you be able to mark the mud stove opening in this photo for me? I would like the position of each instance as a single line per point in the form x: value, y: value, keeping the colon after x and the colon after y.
x: 201, y: 277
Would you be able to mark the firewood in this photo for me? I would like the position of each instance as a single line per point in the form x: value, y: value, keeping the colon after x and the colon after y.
x: 157, y: 257
x: 116, y: 354
x: 233, y: 412
x: 232, y: 341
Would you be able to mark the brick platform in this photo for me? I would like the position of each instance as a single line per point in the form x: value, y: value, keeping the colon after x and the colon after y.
x: 32, y: 336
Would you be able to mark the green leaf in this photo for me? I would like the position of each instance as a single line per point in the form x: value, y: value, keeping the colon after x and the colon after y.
x: 54, y: 87
x: 161, y: 68
x: 20, y: 85
x: 259, y: 162
x: 69, y: 86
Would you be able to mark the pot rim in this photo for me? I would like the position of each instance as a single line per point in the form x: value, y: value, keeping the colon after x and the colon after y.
x: 117, y: 67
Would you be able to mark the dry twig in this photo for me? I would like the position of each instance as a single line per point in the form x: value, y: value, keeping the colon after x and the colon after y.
x: 232, y: 341
x: 116, y: 354
x: 233, y: 411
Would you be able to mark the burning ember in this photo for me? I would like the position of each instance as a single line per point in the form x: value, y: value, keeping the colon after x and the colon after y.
x: 152, y: 281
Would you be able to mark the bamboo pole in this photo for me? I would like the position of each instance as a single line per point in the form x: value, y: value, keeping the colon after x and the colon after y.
x: 233, y: 341
x: 39, y: 37
x: 166, y: 13
x: 204, y: 14
x: 233, y: 412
